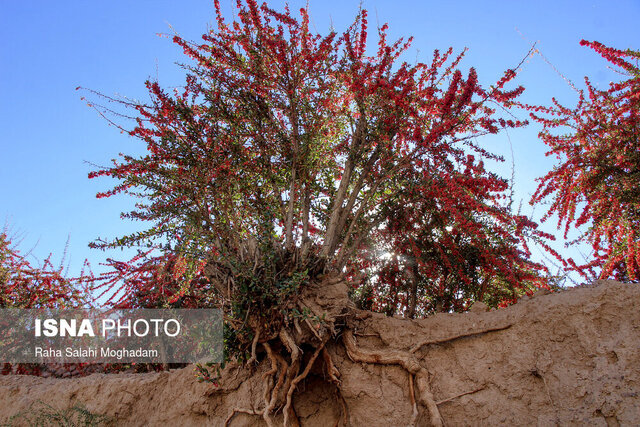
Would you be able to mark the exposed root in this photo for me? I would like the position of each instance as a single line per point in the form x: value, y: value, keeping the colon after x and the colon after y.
x: 296, y: 324
x: 279, y: 400
x: 313, y: 329
x: 360, y: 334
x: 291, y: 345
x: 460, y: 395
x: 291, y: 418
x: 455, y: 337
x: 406, y: 361
x: 296, y: 380
x: 240, y: 411
x: 268, y: 385
x: 268, y: 391
x: 302, y: 306
x: 254, y: 346
x: 332, y: 371
x: 325, y: 300
x: 272, y: 358
x: 345, y: 411
x: 275, y: 392
x: 292, y: 370
x: 334, y: 376
x: 414, y: 404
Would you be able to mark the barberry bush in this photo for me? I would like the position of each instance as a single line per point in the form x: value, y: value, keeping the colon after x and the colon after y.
x: 24, y: 286
x: 289, y: 157
x: 595, y: 186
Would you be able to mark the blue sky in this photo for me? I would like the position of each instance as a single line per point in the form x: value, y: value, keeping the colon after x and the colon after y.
x: 50, y: 137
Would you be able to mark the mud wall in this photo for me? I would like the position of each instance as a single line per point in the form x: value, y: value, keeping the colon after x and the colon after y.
x: 569, y: 358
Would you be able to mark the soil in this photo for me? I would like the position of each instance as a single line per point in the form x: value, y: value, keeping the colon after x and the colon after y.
x: 566, y: 358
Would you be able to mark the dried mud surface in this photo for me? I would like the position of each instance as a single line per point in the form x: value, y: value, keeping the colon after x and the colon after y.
x: 569, y: 358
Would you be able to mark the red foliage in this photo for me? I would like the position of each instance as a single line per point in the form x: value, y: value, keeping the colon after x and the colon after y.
x: 149, y: 281
x: 288, y: 153
x: 25, y: 286
x: 451, y: 246
x: 596, y: 184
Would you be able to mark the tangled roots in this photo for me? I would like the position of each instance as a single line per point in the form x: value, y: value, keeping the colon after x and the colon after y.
x: 281, y: 380
x: 328, y: 306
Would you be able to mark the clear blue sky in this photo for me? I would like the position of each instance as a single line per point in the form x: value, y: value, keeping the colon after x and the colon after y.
x: 48, y: 48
